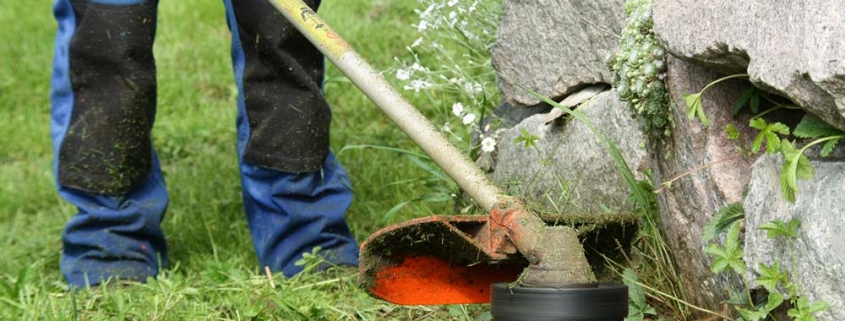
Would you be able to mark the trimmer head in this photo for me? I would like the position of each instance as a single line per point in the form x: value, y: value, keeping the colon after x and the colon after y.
x: 455, y: 259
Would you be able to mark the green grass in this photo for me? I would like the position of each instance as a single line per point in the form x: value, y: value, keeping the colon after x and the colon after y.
x: 214, y: 273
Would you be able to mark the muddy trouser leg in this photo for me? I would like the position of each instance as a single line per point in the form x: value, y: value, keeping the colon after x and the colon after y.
x: 295, y: 192
x: 103, y: 105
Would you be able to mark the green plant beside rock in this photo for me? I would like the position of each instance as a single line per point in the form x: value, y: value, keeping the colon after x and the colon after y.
x: 775, y: 135
x: 777, y: 282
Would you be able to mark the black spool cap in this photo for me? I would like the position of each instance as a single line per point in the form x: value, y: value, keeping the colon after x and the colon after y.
x: 606, y: 302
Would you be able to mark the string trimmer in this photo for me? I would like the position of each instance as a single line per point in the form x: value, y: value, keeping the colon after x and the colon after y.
x: 511, y: 256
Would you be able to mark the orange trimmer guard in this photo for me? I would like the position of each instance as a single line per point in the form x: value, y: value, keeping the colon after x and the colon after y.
x: 434, y: 260
x: 455, y: 259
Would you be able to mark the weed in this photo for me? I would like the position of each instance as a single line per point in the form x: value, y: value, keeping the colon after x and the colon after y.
x: 774, y: 135
x: 638, y: 309
x: 729, y: 257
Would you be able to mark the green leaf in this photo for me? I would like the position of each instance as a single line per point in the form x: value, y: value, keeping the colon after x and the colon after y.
x: 728, y: 256
x: 789, y: 172
x: 732, y: 239
x: 650, y: 311
x: 732, y: 132
x: 803, y: 310
x: 455, y: 311
x: 720, y: 261
x: 743, y: 100
x: 778, y: 128
x: 788, y: 192
x: 758, y: 123
x: 772, y: 142
x: 738, y: 299
x: 779, y: 228
x: 818, y: 307
x: 527, y: 139
x: 722, y: 220
x: 392, y: 211
x: 804, y: 170
x: 813, y: 127
x: 755, y: 100
x: 751, y: 315
x: 771, y: 276
x: 637, y: 306
x: 636, y: 294
x: 694, y: 108
x: 795, y: 166
x: 769, y: 132
x: 773, y: 302
x: 828, y: 147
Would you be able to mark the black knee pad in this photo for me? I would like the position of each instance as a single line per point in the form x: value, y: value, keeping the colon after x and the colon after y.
x: 282, y: 80
x: 107, y: 147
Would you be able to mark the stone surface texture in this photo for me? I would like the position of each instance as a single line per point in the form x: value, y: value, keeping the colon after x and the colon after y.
x: 570, y: 171
x: 791, y: 48
x: 555, y: 47
x: 819, y: 255
x: 712, y: 173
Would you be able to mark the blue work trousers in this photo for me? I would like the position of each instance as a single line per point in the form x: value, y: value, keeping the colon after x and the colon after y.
x: 103, y: 107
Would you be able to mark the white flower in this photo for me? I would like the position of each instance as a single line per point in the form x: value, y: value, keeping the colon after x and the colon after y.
x: 458, y: 109
x: 453, y: 19
x: 417, y: 67
x: 468, y: 118
x: 452, y: 3
x: 468, y: 87
x: 446, y: 128
x: 417, y: 42
x: 422, y: 26
x: 417, y: 84
x: 403, y: 74
x: 488, y: 144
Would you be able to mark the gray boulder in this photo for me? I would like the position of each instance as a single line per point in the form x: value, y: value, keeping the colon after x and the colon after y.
x: 791, y: 48
x: 709, y: 174
x: 819, y: 255
x: 555, y: 47
x: 570, y: 172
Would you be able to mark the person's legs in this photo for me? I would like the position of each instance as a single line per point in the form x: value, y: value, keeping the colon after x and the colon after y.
x: 295, y: 192
x: 103, y: 105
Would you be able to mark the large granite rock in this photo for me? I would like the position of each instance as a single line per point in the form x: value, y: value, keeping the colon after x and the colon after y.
x: 819, y: 255
x: 555, y: 47
x: 570, y: 172
x: 792, y: 48
x: 713, y: 175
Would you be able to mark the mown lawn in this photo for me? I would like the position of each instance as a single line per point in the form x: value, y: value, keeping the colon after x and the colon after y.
x: 214, y: 273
